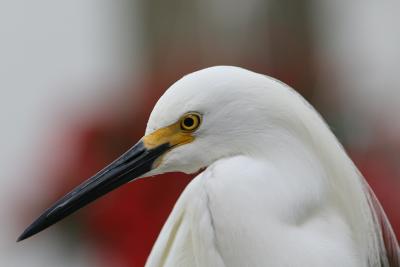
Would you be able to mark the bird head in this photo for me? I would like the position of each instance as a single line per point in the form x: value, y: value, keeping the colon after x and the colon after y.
x: 207, y: 115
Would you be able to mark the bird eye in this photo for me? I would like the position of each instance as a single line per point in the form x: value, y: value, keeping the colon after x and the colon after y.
x: 190, y: 122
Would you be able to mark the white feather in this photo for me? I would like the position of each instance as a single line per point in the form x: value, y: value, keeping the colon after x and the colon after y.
x: 279, y: 189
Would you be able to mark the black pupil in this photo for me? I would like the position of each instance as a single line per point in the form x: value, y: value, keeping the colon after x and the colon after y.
x: 188, y: 122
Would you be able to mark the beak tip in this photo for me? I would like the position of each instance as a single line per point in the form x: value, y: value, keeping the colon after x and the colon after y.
x: 30, y: 231
x: 33, y: 229
x: 23, y: 236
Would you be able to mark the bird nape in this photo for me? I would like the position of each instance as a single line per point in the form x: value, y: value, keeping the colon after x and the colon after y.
x: 277, y: 188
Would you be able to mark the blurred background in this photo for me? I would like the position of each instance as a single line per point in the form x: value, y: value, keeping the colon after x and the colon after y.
x: 78, y: 80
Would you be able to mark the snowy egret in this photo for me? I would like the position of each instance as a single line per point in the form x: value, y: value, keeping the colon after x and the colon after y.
x: 277, y: 187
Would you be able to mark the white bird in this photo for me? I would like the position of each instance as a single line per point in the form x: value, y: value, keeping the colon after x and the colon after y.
x: 277, y: 188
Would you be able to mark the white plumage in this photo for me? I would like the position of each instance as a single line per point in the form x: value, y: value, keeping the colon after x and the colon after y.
x: 278, y: 188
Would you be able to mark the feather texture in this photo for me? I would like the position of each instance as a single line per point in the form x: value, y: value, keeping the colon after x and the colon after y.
x: 278, y: 189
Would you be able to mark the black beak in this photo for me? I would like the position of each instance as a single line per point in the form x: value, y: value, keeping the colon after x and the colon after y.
x: 136, y: 162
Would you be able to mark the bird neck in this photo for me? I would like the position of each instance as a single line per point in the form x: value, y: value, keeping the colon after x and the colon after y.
x: 302, y: 145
